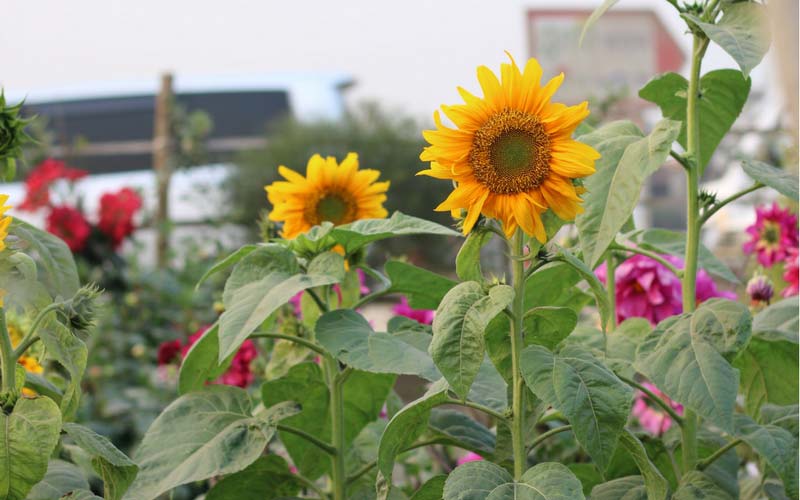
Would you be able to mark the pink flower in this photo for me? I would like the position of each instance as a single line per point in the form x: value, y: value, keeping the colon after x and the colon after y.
x: 652, y: 417
x: 469, y: 457
x: 791, y: 273
x: 647, y: 289
x: 424, y: 316
x: 772, y: 235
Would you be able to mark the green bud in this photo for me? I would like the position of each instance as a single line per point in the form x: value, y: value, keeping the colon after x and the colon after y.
x: 81, y: 310
x: 12, y: 136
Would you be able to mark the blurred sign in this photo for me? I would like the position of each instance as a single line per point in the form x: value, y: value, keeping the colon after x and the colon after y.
x: 620, y: 52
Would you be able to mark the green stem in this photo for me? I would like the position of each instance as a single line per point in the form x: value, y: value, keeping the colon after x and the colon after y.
x: 8, y: 383
x: 297, y: 340
x: 714, y: 209
x: 611, y: 289
x: 647, y: 253
x: 679, y: 158
x: 517, y: 343
x: 485, y: 409
x: 703, y: 464
x: 31, y: 337
x: 338, y: 469
x: 371, y: 297
x: 552, y: 432
x: 308, y: 437
x: 655, y: 399
x: 310, y: 485
x: 689, y: 429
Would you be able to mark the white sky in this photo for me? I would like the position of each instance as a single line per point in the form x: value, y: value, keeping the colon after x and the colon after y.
x: 410, y: 55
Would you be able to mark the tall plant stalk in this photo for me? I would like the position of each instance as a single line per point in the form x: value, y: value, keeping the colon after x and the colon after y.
x: 338, y: 467
x: 7, y: 357
x: 517, y: 344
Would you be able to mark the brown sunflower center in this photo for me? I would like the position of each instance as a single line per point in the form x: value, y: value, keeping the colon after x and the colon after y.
x: 338, y: 208
x: 511, y: 152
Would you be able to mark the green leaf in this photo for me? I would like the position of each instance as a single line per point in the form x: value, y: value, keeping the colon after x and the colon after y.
x: 613, y: 191
x: 674, y: 243
x: 361, y: 232
x: 82, y: 495
x: 485, y: 480
x: 226, y: 263
x: 769, y: 372
x: 60, y: 273
x: 723, y: 94
x: 350, y: 338
x: 457, y: 347
x: 548, y: 326
x: 475, y: 480
x: 596, y: 14
x: 696, y: 485
x: 116, y: 469
x: 623, y: 488
x: 781, y: 416
x: 432, y: 489
x: 70, y: 351
x: 201, y: 435
x: 597, y: 288
x: 456, y: 428
x: 592, y: 398
x: 267, y: 478
x: 262, y: 282
x: 468, y: 260
x: 201, y: 363
x: 30, y: 433
x: 61, y: 478
x: 778, y: 179
x: 776, y: 445
x: 725, y: 323
x: 423, y: 288
x: 621, y: 345
x: 314, y: 241
x: 656, y: 485
x: 779, y: 321
x: 683, y: 357
x: 406, y: 426
x: 364, y: 395
x: 742, y: 32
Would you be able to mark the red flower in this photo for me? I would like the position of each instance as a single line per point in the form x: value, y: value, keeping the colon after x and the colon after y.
x: 37, y: 185
x: 69, y: 224
x: 168, y: 351
x: 116, y: 214
x: 791, y: 274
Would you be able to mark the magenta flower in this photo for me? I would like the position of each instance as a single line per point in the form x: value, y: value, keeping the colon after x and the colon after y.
x: 469, y: 457
x: 651, y: 417
x: 424, y: 316
x: 772, y: 235
x: 647, y: 289
x: 791, y: 274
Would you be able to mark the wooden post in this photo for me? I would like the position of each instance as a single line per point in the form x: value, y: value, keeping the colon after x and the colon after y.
x: 163, y: 144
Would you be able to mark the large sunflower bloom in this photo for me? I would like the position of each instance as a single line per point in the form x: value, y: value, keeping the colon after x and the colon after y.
x: 337, y: 193
x: 511, y: 154
x: 4, y: 221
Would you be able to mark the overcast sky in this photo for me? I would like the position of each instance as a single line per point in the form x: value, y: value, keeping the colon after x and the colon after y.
x: 409, y: 54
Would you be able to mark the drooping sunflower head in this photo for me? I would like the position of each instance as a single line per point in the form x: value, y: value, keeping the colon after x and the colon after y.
x: 332, y: 192
x: 4, y: 221
x: 511, y: 153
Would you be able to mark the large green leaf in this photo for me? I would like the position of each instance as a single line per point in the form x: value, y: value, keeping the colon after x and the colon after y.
x: 267, y: 478
x: 201, y: 435
x: 776, y: 445
x: 468, y: 260
x: 485, y: 480
x: 742, y: 32
x: 548, y: 325
x: 695, y: 484
x: 70, y: 351
x: 656, y: 485
x: 458, y: 347
x: 724, y: 93
x: 781, y: 416
x: 780, y: 320
x: 60, y: 273
x: 621, y: 345
x: 623, y: 488
x: 431, y: 490
x: 61, y: 478
x: 364, y: 395
x: 423, y: 288
x: 359, y: 233
x: 201, y: 363
x: 597, y: 288
x: 117, y: 470
x: 29, y: 435
x: 674, y: 243
x: 778, y: 179
x: 225, y: 263
x: 628, y: 159
x: 262, y: 282
x: 350, y: 338
x: 590, y: 396
x: 684, y: 357
x: 453, y: 427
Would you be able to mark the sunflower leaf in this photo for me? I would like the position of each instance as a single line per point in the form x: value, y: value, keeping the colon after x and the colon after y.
x: 359, y: 233
x: 778, y: 179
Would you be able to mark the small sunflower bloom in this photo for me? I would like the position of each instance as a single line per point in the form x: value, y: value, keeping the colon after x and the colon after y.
x: 333, y: 192
x: 511, y: 155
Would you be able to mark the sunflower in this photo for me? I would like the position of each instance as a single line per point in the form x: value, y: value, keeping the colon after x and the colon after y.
x: 337, y: 193
x: 511, y: 155
x: 4, y: 221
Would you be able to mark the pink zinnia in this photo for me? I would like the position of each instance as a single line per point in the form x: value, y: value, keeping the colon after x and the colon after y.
x: 791, y: 274
x: 772, y: 235
x: 647, y: 289
x: 651, y: 417
x: 424, y: 316
x: 469, y: 457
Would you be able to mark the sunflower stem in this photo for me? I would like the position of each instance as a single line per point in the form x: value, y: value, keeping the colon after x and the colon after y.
x: 517, y: 343
x: 611, y: 289
x: 338, y: 468
x: 8, y: 382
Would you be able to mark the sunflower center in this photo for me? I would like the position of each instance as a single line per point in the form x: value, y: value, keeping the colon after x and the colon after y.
x: 332, y: 207
x: 511, y: 152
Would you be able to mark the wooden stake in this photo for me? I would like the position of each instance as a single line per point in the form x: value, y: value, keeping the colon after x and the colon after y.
x: 163, y: 144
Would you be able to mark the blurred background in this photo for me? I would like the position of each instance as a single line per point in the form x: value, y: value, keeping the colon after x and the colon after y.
x: 193, y: 105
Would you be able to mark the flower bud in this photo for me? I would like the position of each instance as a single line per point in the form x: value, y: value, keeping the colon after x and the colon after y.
x: 12, y: 135
x: 760, y: 289
x: 81, y: 311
